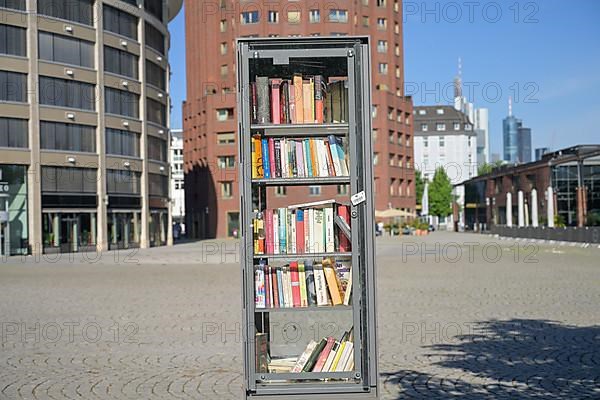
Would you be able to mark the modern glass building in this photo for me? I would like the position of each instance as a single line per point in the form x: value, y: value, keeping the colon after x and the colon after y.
x: 84, y: 124
x: 510, y: 130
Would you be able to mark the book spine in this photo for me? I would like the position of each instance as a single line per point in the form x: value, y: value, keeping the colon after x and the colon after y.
x: 300, y: 158
x: 259, y: 159
x: 293, y: 232
x: 279, y: 273
x: 264, y: 104
x: 320, y: 286
x: 324, y: 354
x: 253, y: 103
x: 276, y: 249
x: 259, y: 280
x: 282, y: 231
x: 319, y: 106
x: 343, y: 161
x: 268, y: 288
x: 307, y: 101
x: 293, y: 158
x: 275, y: 284
x: 313, y: 157
x: 344, y: 243
x: 330, y: 165
x: 329, y: 231
x: 302, y: 277
x: 275, y: 101
x: 307, y: 158
x: 311, y: 86
x: 295, y: 284
x: 299, y: 101
x: 292, y: 103
x: 265, y: 158
x: 285, y: 173
x: 311, y: 294
x: 277, y: 145
x: 269, y: 231
x: 312, y: 360
x: 283, y: 102
x: 300, y: 235
x: 272, y: 158
x: 334, y: 152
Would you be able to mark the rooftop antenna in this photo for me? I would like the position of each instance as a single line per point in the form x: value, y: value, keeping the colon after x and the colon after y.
x: 510, y: 106
x: 458, y: 80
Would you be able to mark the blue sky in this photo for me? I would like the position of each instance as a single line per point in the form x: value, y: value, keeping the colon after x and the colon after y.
x: 546, y: 53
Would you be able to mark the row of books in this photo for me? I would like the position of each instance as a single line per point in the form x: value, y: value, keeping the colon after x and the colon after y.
x: 302, y: 284
x: 303, y: 229
x: 298, y: 158
x: 300, y: 100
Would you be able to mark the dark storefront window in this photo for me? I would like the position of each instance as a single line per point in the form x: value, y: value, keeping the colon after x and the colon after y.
x: 14, y: 232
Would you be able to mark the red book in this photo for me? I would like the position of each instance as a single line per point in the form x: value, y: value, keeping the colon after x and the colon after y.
x: 275, y: 287
x: 268, y: 287
x: 295, y: 284
x: 343, y: 240
x: 300, y: 238
x: 324, y: 354
x: 275, y: 101
x: 270, y: 246
x: 330, y: 167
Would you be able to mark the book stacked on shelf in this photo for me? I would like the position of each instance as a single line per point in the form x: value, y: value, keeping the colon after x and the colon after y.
x: 328, y: 355
x: 302, y: 229
x: 299, y: 100
x: 298, y: 158
x: 303, y: 284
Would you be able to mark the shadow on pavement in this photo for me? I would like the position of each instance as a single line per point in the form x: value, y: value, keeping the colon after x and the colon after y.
x: 517, y: 359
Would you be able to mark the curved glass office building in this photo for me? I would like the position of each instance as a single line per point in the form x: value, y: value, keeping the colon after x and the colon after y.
x: 84, y: 124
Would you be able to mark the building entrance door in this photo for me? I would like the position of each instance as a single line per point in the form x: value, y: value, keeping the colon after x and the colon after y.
x: 69, y: 228
x: 4, y: 228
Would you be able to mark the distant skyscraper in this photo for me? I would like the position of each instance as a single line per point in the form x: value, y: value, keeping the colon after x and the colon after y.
x: 539, y: 153
x: 479, y: 117
x: 524, y: 140
x: 510, y: 130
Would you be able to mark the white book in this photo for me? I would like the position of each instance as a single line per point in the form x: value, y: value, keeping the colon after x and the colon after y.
x: 343, y: 163
x: 320, y: 286
x: 330, y: 357
x: 348, y: 292
x: 312, y: 204
x: 284, y: 159
x: 322, y: 148
x: 288, y: 287
x: 293, y: 232
x: 319, y: 231
x: 329, y: 232
x: 348, y: 351
x: 284, y: 277
x: 307, y: 231
x: 259, y: 279
x: 275, y: 232
x: 304, y: 357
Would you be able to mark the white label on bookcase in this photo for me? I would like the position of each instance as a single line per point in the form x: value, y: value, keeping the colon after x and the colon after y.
x: 358, y: 198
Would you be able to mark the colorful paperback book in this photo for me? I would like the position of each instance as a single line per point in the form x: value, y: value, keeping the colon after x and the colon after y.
x: 265, y: 158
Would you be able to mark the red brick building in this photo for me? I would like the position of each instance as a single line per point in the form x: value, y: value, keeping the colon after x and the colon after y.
x: 209, y: 114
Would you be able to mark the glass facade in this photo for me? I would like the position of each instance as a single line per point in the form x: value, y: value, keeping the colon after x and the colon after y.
x: 14, y: 236
x: 69, y: 232
x: 124, y: 229
x: 565, y: 183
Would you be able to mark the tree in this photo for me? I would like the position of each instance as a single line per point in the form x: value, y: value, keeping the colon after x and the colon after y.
x: 489, y: 167
x: 440, y: 194
x: 419, y: 186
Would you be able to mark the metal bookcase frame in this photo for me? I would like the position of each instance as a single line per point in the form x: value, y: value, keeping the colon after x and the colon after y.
x: 362, y: 383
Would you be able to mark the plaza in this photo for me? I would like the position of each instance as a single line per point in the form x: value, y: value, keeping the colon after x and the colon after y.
x: 459, y: 315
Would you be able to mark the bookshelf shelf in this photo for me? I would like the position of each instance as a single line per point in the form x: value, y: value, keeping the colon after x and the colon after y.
x: 292, y: 257
x: 303, y: 130
x: 304, y: 309
x: 282, y: 81
x: 332, y: 180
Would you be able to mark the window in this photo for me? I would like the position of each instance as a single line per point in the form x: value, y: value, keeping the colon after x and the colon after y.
x: 424, y: 128
x: 120, y: 102
x: 391, y: 137
x: 365, y: 2
x: 314, y: 16
x: 121, y: 62
x: 225, y: 138
x: 294, y: 17
x: 280, y: 191
x: 131, y: 2
x: 375, y: 158
x: 122, y: 143
x: 381, y: 24
x: 158, y: 185
x: 13, y: 40
x: 67, y: 137
x: 399, y: 116
x: 69, y: 180
x: 226, y: 190
x: 390, y: 113
x: 375, y: 134
x: 224, y: 71
x: 374, y: 111
x: 13, y: 86
x: 156, y: 75
x: 398, y: 71
x: 338, y: 15
x: 381, y: 3
x: 442, y: 141
x: 120, y: 22
x: 155, y: 39
x: 123, y: 182
x: 224, y: 114
x: 226, y: 162
x: 66, y: 50
x: 14, y: 132
x: 156, y: 112
x: 154, y: 7
x: 440, y: 111
x: 425, y: 142
x: 157, y: 149
x: 468, y: 127
x: 249, y: 17
x: 77, y: 11
x: 440, y: 126
x: 457, y: 126
x: 382, y: 46
x: 399, y: 139
x: 470, y: 142
x: 396, y: 28
x: 422, y: 112
x: 64, y: 93
x: 366, y: 22
x: 223, y: 48
x: 400, y: 160
x: 223, y: 25
x: 273, y: 17
x: 342, y: 189
x: 14, y: 4
x: 392, y: 187
x: 392, y: 159
x: 314, y: 190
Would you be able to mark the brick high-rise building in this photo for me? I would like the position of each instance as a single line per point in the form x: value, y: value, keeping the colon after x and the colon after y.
x: 209, y: 114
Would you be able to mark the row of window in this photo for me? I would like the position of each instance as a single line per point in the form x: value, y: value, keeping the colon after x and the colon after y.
x: 442, y: 141
x: 398, y: 188
x: 394, y: 160
x: 293, y: 17
x: 440, y: 127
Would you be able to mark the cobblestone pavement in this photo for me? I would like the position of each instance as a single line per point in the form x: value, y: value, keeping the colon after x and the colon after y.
x: 459, y: 319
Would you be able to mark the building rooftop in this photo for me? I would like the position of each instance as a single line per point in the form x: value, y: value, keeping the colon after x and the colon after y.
x: 429, y: 117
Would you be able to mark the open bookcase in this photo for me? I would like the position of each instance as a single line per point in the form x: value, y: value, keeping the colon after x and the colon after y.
x: 308, y: 266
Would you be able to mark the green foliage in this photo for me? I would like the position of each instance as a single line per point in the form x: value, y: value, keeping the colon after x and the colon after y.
x: 419, y: 186
x: 593, y: 218
x: 559, y: 221
x: 487, y: 168
x: 440, y: 194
